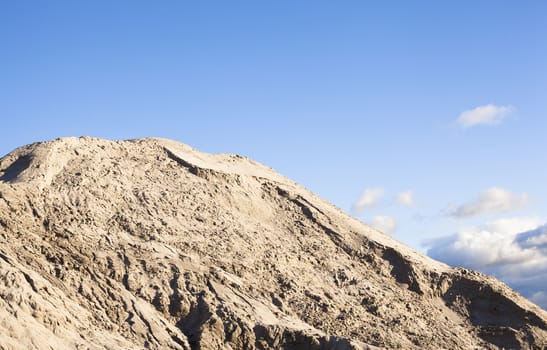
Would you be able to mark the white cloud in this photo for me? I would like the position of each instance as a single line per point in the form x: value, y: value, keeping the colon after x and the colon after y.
x: 492, y: 201
x: 480, y: 247
x: 385, y: 224
x: 406, y: 198
x: 368, y: 199
x: 514, y: 250
x: 484, y: 115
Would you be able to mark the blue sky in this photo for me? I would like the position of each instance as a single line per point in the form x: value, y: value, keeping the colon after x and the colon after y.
x: 343, y: 97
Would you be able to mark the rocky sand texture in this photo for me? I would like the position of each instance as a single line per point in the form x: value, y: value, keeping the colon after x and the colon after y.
x: 150, y: 244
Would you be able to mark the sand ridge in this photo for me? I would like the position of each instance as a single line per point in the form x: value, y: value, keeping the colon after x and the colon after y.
x: 149, y: 243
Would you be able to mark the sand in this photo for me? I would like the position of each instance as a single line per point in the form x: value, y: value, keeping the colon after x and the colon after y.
x: 150, y: 244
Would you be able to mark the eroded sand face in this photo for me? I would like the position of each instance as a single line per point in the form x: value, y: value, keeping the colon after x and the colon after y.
x: 151, y: 244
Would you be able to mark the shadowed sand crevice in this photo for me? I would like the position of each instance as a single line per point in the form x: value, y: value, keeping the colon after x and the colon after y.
x: 497, y: 316
x: 191, y: 168
x: 402, y: 270
x: 16, y: 168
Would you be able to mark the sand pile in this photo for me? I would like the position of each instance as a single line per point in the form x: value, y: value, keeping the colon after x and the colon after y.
x: 151, y: 244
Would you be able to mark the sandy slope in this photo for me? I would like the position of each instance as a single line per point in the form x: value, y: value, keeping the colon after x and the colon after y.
x: 151, y: 244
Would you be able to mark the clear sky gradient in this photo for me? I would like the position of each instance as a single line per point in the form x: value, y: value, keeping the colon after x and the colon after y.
x: 343, y: 97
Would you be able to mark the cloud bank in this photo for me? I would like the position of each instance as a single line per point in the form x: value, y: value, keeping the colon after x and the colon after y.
x: 483, y: 115
x: 368, y: 199
x: 492, y: 201
x: 514, y: 250
x: 385, y: 224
